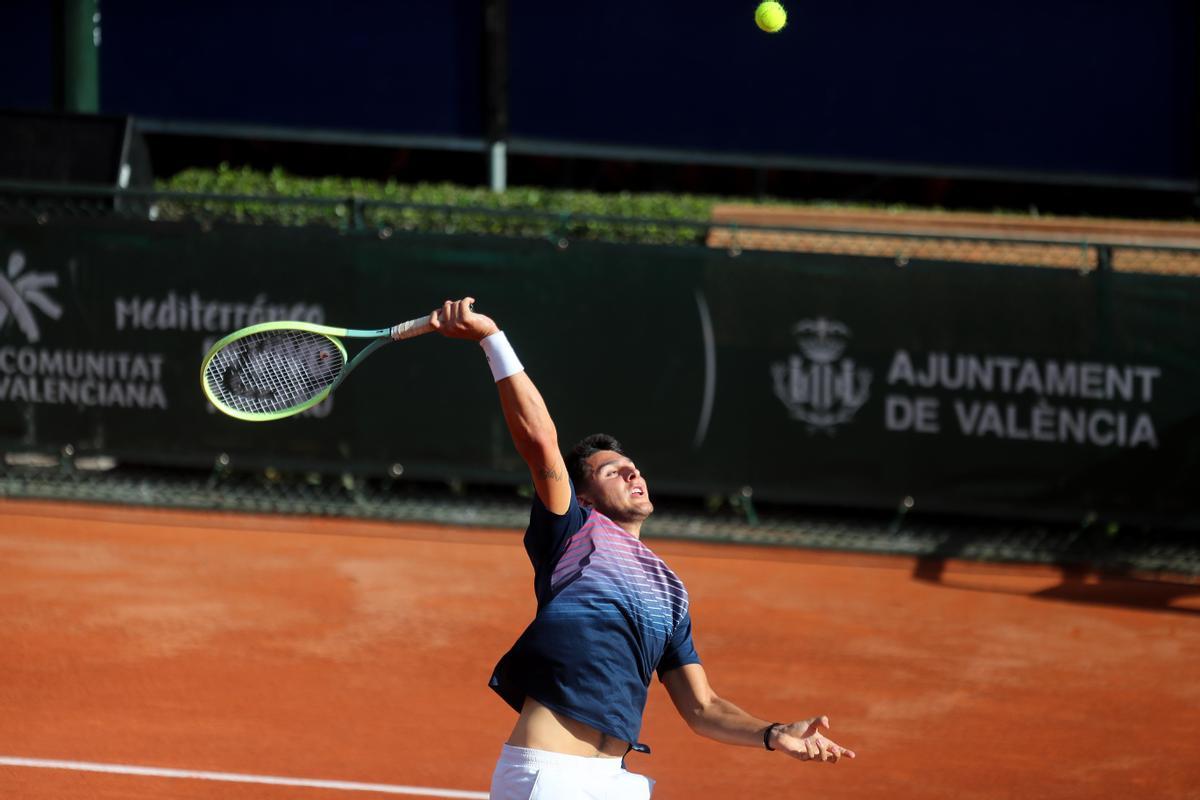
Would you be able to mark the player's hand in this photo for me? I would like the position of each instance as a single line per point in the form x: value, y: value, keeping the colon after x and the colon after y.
x: 804, y: 740
x: 456, y: 320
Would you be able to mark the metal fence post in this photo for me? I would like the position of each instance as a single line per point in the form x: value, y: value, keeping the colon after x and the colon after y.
x: 76, y: 45
x: 495, y: 62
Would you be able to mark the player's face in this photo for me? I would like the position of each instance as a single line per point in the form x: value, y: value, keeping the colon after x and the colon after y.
x: 616, y: 488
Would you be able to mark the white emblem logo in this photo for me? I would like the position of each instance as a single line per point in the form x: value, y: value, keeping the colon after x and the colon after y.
x: 818, y: 388
x: 19, y: 292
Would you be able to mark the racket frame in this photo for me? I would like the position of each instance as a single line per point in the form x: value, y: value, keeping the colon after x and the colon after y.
x: 382, y: 336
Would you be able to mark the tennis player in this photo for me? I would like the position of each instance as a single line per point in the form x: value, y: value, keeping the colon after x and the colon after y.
x: 610, y: 614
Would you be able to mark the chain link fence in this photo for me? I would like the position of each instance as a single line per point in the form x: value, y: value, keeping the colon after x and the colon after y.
x: 46, y: 205
x: 904, y: 248
x: 1083, y: 245
x: 1159, y: 248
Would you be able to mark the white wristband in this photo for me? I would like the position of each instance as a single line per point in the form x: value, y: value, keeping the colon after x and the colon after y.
x: 500, y: 356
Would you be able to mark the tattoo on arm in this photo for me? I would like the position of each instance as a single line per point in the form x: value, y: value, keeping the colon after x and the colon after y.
x: 551, y: 474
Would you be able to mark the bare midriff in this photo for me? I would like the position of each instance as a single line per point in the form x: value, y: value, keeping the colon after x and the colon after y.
x: 542, y: 729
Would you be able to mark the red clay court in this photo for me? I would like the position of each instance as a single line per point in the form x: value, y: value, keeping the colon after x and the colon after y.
x: 287, y: 657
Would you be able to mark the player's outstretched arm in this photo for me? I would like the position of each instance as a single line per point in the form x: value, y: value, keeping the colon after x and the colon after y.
x: 525, y: 412
x: 717, y: 718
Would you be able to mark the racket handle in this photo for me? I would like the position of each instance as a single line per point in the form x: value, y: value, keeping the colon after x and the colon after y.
x: 414, y: 327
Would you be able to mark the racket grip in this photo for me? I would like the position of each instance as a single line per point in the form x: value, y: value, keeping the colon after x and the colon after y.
x: 414, y: 327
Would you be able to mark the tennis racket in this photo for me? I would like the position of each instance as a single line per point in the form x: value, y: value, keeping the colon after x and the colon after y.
x: 276, y: 369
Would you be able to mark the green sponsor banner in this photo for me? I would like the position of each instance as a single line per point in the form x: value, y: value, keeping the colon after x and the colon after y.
x: 816, y: 379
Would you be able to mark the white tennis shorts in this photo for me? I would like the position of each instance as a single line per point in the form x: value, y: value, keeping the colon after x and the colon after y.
x: 526, y: 774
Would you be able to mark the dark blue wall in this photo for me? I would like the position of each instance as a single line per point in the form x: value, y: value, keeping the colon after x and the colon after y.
x: 1090, y: 85
x: 25, y: 55
x: 1095, y: 86
x: 350, y: 65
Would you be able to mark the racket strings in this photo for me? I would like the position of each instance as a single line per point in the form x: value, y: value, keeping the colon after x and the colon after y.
x: 273, y: 371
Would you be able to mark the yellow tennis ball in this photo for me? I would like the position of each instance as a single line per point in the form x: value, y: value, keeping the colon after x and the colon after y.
x: 770, y: 16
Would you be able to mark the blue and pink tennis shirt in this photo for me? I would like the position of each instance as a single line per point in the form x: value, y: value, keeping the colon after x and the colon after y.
x: 610, y: 613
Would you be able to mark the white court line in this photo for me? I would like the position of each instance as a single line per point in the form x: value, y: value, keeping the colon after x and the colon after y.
x: 234, y: 777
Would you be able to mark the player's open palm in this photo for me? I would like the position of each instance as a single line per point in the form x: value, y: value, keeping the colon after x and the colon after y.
x: 804, y: 740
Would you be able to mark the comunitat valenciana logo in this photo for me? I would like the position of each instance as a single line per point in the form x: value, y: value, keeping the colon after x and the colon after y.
x: 818, y: 385
x: 21, y: 292
x: 60, y: 374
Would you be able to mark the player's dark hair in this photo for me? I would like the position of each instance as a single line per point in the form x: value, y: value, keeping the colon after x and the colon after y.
x: 577, y: 466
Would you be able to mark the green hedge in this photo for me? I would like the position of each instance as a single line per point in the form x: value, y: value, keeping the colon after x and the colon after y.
x: 356, y: 202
